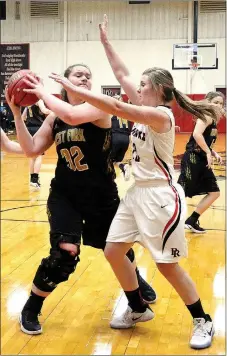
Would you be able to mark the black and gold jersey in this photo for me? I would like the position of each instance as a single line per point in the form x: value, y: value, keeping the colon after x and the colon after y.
x: 83, y: 157
x: 120, y: 125
x: 34, y: 117
x: 210, y: 136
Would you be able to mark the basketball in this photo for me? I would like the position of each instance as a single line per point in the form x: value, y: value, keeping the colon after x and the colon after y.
x: 16, y: 84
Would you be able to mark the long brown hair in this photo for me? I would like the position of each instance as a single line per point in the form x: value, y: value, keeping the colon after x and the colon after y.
x: 162, y: 77
x: 67, y: 74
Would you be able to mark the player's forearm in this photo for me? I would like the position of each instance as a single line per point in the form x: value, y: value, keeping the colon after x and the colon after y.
x: 12, y: 147
x: 58, y: 106
x: 100, y: 101
x: 24, y: 137
x: 9, y: 146
x: 116, y: 63
x: 201, y: 142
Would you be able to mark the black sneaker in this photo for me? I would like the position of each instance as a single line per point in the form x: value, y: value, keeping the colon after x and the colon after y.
x: 147, y: 292
x: 194, y: 226
x: 29, y: 322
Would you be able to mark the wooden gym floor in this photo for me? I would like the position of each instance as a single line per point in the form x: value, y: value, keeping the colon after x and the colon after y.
x: 76, y: 316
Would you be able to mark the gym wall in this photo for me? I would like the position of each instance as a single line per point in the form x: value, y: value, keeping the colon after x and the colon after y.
x: 142, y: 34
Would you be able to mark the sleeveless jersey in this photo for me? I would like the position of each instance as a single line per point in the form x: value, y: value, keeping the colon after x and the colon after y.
x: 83, y: 157
x: 120, y: 125
x: 210, y: 136
x: 35, y: 117
x: 152, y: 152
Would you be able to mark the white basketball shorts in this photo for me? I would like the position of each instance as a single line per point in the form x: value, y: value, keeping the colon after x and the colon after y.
x: 154, y: 217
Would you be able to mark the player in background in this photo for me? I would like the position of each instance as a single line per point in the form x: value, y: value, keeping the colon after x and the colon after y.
x: 197, y: 176
x: 34, y: 116
x: 120, y: 142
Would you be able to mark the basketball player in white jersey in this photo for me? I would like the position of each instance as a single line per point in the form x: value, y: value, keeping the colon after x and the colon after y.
x: 153, y: 210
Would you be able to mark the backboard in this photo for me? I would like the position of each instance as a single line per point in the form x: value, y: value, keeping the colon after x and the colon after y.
x: 205, y: 54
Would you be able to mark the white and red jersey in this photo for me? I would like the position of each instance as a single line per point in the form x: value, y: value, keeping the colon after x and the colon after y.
x: 152, y: 152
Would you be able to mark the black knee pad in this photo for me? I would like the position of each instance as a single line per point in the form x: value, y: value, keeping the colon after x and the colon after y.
x: 56, y: 239
x: 56, y: 268
x: 131, y: 255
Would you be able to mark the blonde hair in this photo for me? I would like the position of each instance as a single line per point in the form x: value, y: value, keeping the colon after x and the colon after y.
x: 160, y: 77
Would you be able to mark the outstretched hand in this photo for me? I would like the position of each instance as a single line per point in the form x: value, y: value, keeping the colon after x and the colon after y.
x: 218, y: 157
x: 67, y: 85
x: 103, y: 29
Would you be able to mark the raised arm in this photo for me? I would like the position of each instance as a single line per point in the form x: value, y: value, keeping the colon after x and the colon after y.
x: 9, y: 146
x: 120, y: 71
x: 41, y: 141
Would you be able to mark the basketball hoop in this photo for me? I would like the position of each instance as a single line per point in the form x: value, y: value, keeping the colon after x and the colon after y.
x: 194, y: 66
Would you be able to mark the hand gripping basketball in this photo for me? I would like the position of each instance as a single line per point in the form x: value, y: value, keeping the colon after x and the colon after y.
x: 16, y: 85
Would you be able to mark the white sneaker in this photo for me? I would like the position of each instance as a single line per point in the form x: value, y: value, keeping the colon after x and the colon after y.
x: 203, y: 332
x: 127, y: 172
x: 35, y: 185
x: 130, y: 318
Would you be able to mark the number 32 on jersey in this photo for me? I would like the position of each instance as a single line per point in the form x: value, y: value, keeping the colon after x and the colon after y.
x: 74, y: 157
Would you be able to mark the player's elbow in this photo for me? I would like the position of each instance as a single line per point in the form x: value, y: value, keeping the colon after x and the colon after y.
x: 70, y: 118
x: 30, y: 154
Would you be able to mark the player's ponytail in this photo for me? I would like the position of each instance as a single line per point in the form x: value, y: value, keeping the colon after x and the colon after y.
x: 161, y: 79
x: 200, y: 109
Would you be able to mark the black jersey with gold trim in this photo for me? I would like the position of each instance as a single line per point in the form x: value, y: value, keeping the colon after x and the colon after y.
x: 120, y: 125
x: 35, y: 116
x: 83, y: 156
x: 210, y: 136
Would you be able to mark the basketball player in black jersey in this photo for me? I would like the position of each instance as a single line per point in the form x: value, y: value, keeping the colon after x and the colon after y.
x: 34, y: 116
x: 120, y: 142
x: 83, y: 197
x: 197, y: 177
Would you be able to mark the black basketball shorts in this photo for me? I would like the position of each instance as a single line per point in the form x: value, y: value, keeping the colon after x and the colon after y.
x: 87, y: 216
x: 195, y: 177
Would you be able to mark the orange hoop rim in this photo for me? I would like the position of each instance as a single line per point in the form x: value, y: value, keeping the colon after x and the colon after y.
x: 194, y: 66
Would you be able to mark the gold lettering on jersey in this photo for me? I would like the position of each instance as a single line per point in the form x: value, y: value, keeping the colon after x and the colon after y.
x: 122, y: 122
x: 73, y: 157
x: 75, y: 135
x: 70, y: 135
x: 214, y: 132
x: 60, y: 138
